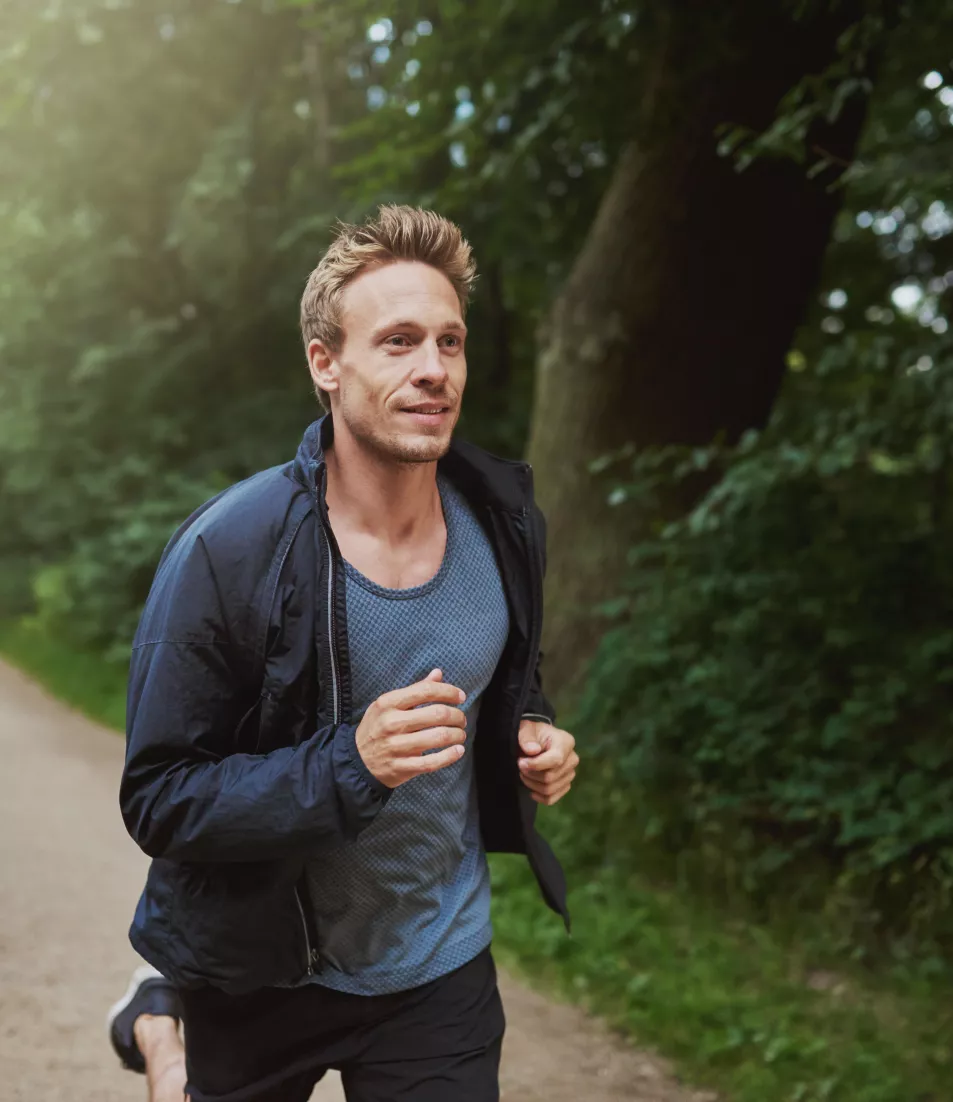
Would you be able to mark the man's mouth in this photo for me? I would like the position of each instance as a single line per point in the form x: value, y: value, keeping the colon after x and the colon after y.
x: 427, y: 409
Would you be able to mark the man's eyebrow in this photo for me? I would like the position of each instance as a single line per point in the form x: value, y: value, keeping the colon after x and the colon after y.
x: 409, y: 323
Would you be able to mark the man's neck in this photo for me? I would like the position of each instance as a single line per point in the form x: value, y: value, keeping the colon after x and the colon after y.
x: 394, y: 502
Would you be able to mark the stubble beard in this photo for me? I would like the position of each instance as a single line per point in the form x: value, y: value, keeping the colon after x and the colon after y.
x: 395, y: 447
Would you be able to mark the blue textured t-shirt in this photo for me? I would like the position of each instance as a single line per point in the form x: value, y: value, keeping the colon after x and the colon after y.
x: 409, y: 900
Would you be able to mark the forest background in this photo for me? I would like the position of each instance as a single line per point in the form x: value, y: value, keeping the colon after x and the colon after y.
x: 713, y: 310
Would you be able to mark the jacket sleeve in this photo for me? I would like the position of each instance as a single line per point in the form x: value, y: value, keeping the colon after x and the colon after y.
x: 537, y: 706
x: 184, y: 795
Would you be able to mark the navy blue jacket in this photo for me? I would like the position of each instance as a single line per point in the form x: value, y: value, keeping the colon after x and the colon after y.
x: 240, y: 757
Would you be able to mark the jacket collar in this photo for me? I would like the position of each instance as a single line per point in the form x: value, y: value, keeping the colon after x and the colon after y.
x: 486, y: 479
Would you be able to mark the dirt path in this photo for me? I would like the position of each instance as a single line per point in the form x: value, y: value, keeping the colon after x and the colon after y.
x: 69, y: 879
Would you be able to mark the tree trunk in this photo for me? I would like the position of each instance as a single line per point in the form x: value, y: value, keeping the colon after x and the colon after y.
x: 674, y: 323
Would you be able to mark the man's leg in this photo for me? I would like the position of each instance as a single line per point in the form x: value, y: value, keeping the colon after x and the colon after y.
x: 438, y: 1042
x: 164, y: 1054
x: 267, y: 1045
x: 159, y: 1042
x: 144, y: 1031
x: 143, y: 1028
x: 464, y: 1077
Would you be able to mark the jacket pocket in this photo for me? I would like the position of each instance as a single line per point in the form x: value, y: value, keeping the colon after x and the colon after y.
x: 238, y: 926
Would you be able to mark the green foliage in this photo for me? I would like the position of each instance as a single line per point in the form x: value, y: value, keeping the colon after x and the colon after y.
x: 155, y: 155
x: 742, y: 1007
x: 93, y: 597
x: 778, y: 681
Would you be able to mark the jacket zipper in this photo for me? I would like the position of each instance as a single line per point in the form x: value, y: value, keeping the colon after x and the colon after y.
x: 304, y: 926
x: 331, y: 647
x: 309, y: 952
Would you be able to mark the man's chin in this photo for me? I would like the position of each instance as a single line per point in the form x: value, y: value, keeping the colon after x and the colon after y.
x: 419, y: 447
x: 413, y: 444
x: 407, y: 447
x: 403, y: 443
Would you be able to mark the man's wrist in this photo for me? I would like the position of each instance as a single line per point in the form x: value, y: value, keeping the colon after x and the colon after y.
x: 377, y: 786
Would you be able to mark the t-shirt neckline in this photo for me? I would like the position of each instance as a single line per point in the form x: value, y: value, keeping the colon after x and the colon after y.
x: 425, y: 587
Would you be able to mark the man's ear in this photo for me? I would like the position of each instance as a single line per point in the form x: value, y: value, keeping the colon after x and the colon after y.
x: 323, y: 365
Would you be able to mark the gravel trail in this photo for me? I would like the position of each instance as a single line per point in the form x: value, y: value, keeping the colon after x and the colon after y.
x: 69, y: 879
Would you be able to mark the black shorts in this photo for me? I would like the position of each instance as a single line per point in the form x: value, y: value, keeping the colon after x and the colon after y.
x: 434, y: 1043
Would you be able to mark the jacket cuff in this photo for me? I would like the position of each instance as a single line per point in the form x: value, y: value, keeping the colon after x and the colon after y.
x: 538, y: 718
x: 361, y: 794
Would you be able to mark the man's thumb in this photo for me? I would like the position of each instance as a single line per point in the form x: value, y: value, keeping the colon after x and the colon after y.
x: 529, y: 744
x: 434, y: 675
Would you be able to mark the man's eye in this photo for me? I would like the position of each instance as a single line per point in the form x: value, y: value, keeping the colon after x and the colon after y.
x: 399, y: 341
x: 453, y: 342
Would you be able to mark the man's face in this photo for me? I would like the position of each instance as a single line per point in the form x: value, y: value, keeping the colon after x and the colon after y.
x: 398, y: 379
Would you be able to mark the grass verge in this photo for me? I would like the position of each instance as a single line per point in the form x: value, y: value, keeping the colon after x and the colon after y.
x: 78, y: 678
x: 757, y: 1013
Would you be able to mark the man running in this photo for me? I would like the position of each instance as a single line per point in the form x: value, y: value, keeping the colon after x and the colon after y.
x: 335, y: 711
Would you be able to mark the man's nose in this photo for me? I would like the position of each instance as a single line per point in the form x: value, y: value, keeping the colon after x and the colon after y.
x: 430, y: 367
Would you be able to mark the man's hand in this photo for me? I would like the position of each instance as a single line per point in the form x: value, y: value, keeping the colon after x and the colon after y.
x: 395, y: 730
x: 550, y: 761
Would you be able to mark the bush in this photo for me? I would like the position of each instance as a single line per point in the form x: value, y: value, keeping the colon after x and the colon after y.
x: 778, y: 685
x: 93, y: 595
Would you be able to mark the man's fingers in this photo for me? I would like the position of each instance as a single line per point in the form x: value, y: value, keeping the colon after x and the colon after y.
x: 551, y: 775
x: 551, y: 782
x: 553, y: 758
x: 400, y: 721
x: 552, y: 798
x: 429, y: 763
x: 412, y: 744
x: 422, y: 692
x: 548, y: 759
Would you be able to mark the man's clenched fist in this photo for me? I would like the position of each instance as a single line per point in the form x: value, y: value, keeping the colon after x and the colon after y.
x: 550, y: 760
x: 396, y: 730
